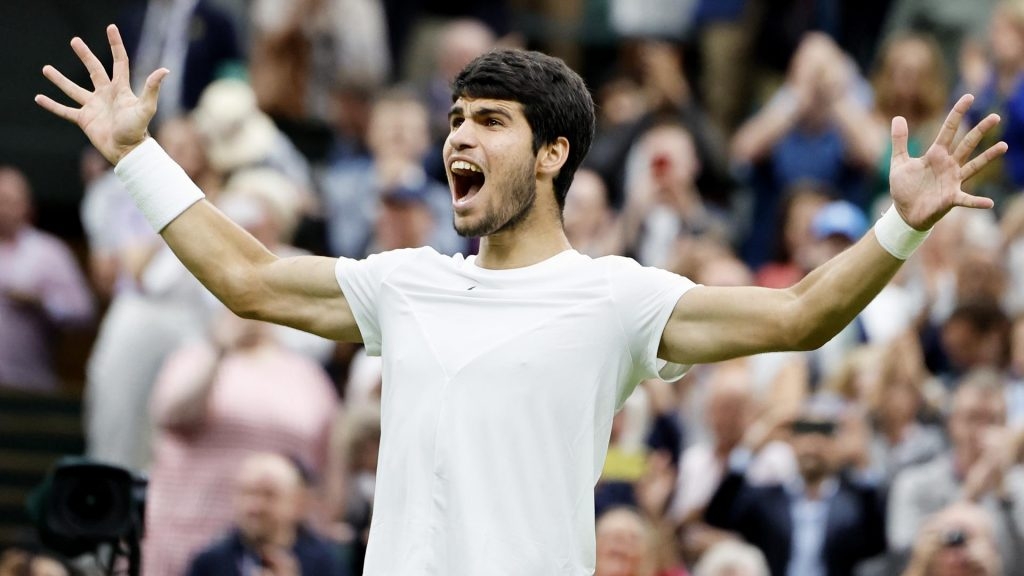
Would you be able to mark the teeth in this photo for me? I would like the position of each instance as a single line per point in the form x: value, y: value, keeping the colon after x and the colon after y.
x: 463, y: 165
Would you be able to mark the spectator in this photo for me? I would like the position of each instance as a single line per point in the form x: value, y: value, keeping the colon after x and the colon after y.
x: 977, y: 470
x: 896, y: 402
x: 590, y: 223
x: 215, y: 403
x: 953, y: 24
x: 304, y: 49
x: 794, y: 236
x: 42, y: 289
x: 157, y: 305
x: 910, y: 81
x: 663, y: 203
x: 269, y: 535
x: 398, y: 139
x: 729, y: 410
x: 1000, y: 89
x: 238, y: 135
x: 957, y: 541
x: 458, y: 43
x: 626, y: 546
x: 194, y: 38
x: 732, y: 558
x: 356, y: 441
x: 822, y: 522
x: 804, y: 133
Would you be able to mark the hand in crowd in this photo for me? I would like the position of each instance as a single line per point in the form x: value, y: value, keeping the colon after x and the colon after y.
x: 663, y: 75
x: 279, y: 561
x: 1001, y: 448
x: 656, y: 486
x: 955, y: 541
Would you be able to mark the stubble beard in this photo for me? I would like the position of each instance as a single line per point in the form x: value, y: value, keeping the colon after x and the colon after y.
x: 510, y: 214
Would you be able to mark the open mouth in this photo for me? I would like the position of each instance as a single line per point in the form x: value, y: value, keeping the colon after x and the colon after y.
x: 467, y: 180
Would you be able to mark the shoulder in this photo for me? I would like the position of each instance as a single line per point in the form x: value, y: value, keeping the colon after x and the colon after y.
x: 216, y: 556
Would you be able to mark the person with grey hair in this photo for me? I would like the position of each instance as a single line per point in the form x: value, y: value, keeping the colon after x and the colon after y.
x: 982, y: 467
x: 731, y: 558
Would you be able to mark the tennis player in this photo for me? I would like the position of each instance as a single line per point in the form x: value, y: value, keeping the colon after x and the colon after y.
x: 502, y: 371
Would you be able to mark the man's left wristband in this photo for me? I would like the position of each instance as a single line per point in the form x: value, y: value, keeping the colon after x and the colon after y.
x: 160, y: 188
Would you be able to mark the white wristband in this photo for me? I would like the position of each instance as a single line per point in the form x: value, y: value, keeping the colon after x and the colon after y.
x: 160, y: 187
x: 896, y: 236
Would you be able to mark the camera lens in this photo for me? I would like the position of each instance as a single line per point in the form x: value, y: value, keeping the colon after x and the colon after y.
x: 91, y: 502
x: 954, y: 538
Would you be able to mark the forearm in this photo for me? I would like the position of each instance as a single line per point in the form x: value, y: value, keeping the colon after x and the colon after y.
x: 184, y: 406
x: 756, y: 137
x: 832, y: 295
x: 223, y: 256
x: 864, y: 136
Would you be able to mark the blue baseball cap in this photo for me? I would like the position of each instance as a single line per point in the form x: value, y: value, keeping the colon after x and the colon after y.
x: 840, y: 218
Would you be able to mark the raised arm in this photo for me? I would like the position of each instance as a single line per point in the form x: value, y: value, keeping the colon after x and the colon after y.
x: 715, y: 323
x: 299, y: 292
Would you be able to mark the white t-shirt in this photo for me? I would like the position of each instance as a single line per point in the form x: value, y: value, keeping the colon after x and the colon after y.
x: 499, y: 388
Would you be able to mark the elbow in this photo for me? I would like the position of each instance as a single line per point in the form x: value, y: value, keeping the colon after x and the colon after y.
x: 244, y: 295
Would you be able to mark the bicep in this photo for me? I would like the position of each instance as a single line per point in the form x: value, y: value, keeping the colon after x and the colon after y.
x: 303, y: 292
x: 713, y: 323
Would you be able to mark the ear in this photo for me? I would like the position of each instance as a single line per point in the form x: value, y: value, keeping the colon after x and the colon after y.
x: 551, y: 157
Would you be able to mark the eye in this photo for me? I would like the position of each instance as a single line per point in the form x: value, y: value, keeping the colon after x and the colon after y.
x: 456, y: 122
x: 493, y: 122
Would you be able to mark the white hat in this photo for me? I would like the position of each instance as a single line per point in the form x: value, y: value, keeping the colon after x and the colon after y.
x: 237, y: 132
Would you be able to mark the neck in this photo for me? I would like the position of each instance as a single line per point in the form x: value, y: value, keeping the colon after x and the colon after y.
x: 538, y: 237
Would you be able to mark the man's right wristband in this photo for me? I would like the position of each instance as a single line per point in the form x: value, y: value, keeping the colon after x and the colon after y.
x: 160, y: 188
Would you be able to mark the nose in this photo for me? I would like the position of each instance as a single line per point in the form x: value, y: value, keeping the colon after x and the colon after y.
x: 462, y: 137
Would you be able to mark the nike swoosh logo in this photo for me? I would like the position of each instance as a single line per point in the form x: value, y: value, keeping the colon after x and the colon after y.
x: 471, y: 287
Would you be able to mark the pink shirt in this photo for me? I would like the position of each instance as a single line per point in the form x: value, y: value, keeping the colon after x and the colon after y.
x: 270, y: 400
x: 40, y: 264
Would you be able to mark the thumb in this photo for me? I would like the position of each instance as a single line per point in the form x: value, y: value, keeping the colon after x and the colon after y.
x: 900, y: 136
x: 152, y: 89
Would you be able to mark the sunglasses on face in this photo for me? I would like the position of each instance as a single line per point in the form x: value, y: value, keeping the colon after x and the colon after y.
x: 824, y: 428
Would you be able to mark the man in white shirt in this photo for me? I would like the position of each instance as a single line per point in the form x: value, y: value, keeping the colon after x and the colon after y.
x: 502, y: 371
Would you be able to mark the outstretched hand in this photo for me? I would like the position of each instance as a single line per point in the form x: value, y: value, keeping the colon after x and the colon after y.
x: 925, y: 189
x: 111, y: 115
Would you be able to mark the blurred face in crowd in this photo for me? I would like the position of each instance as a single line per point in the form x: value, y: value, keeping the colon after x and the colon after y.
x: 461, y: 42
x: 673, y: 159
x: 814, y: 444
x: 586, y: 207
x: 800, y: 211
x: 966, y: 543
x: 729, y: 406
x: 1006, y: 34
x: 268, y: 500
x: 908, y: 62
x: 15, y: 202
x: 399, y: 129
x: 184, y: 144
x: 403, y: 224
x: 974, y: 413
x: 623, y: 545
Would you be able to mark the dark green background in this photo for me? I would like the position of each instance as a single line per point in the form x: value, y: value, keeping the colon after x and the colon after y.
x: 47, y: 149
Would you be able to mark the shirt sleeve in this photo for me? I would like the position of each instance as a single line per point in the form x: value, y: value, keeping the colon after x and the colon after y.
x: 644, y: 298
x: 361, y: 282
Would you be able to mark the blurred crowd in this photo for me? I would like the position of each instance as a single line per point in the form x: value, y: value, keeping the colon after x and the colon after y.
x: 738, y: 142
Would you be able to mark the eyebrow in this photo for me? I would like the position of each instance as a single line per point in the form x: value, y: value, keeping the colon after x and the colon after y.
x: 481, y: 111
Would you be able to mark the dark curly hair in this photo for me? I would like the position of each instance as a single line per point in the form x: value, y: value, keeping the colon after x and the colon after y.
x: 555, y: 100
